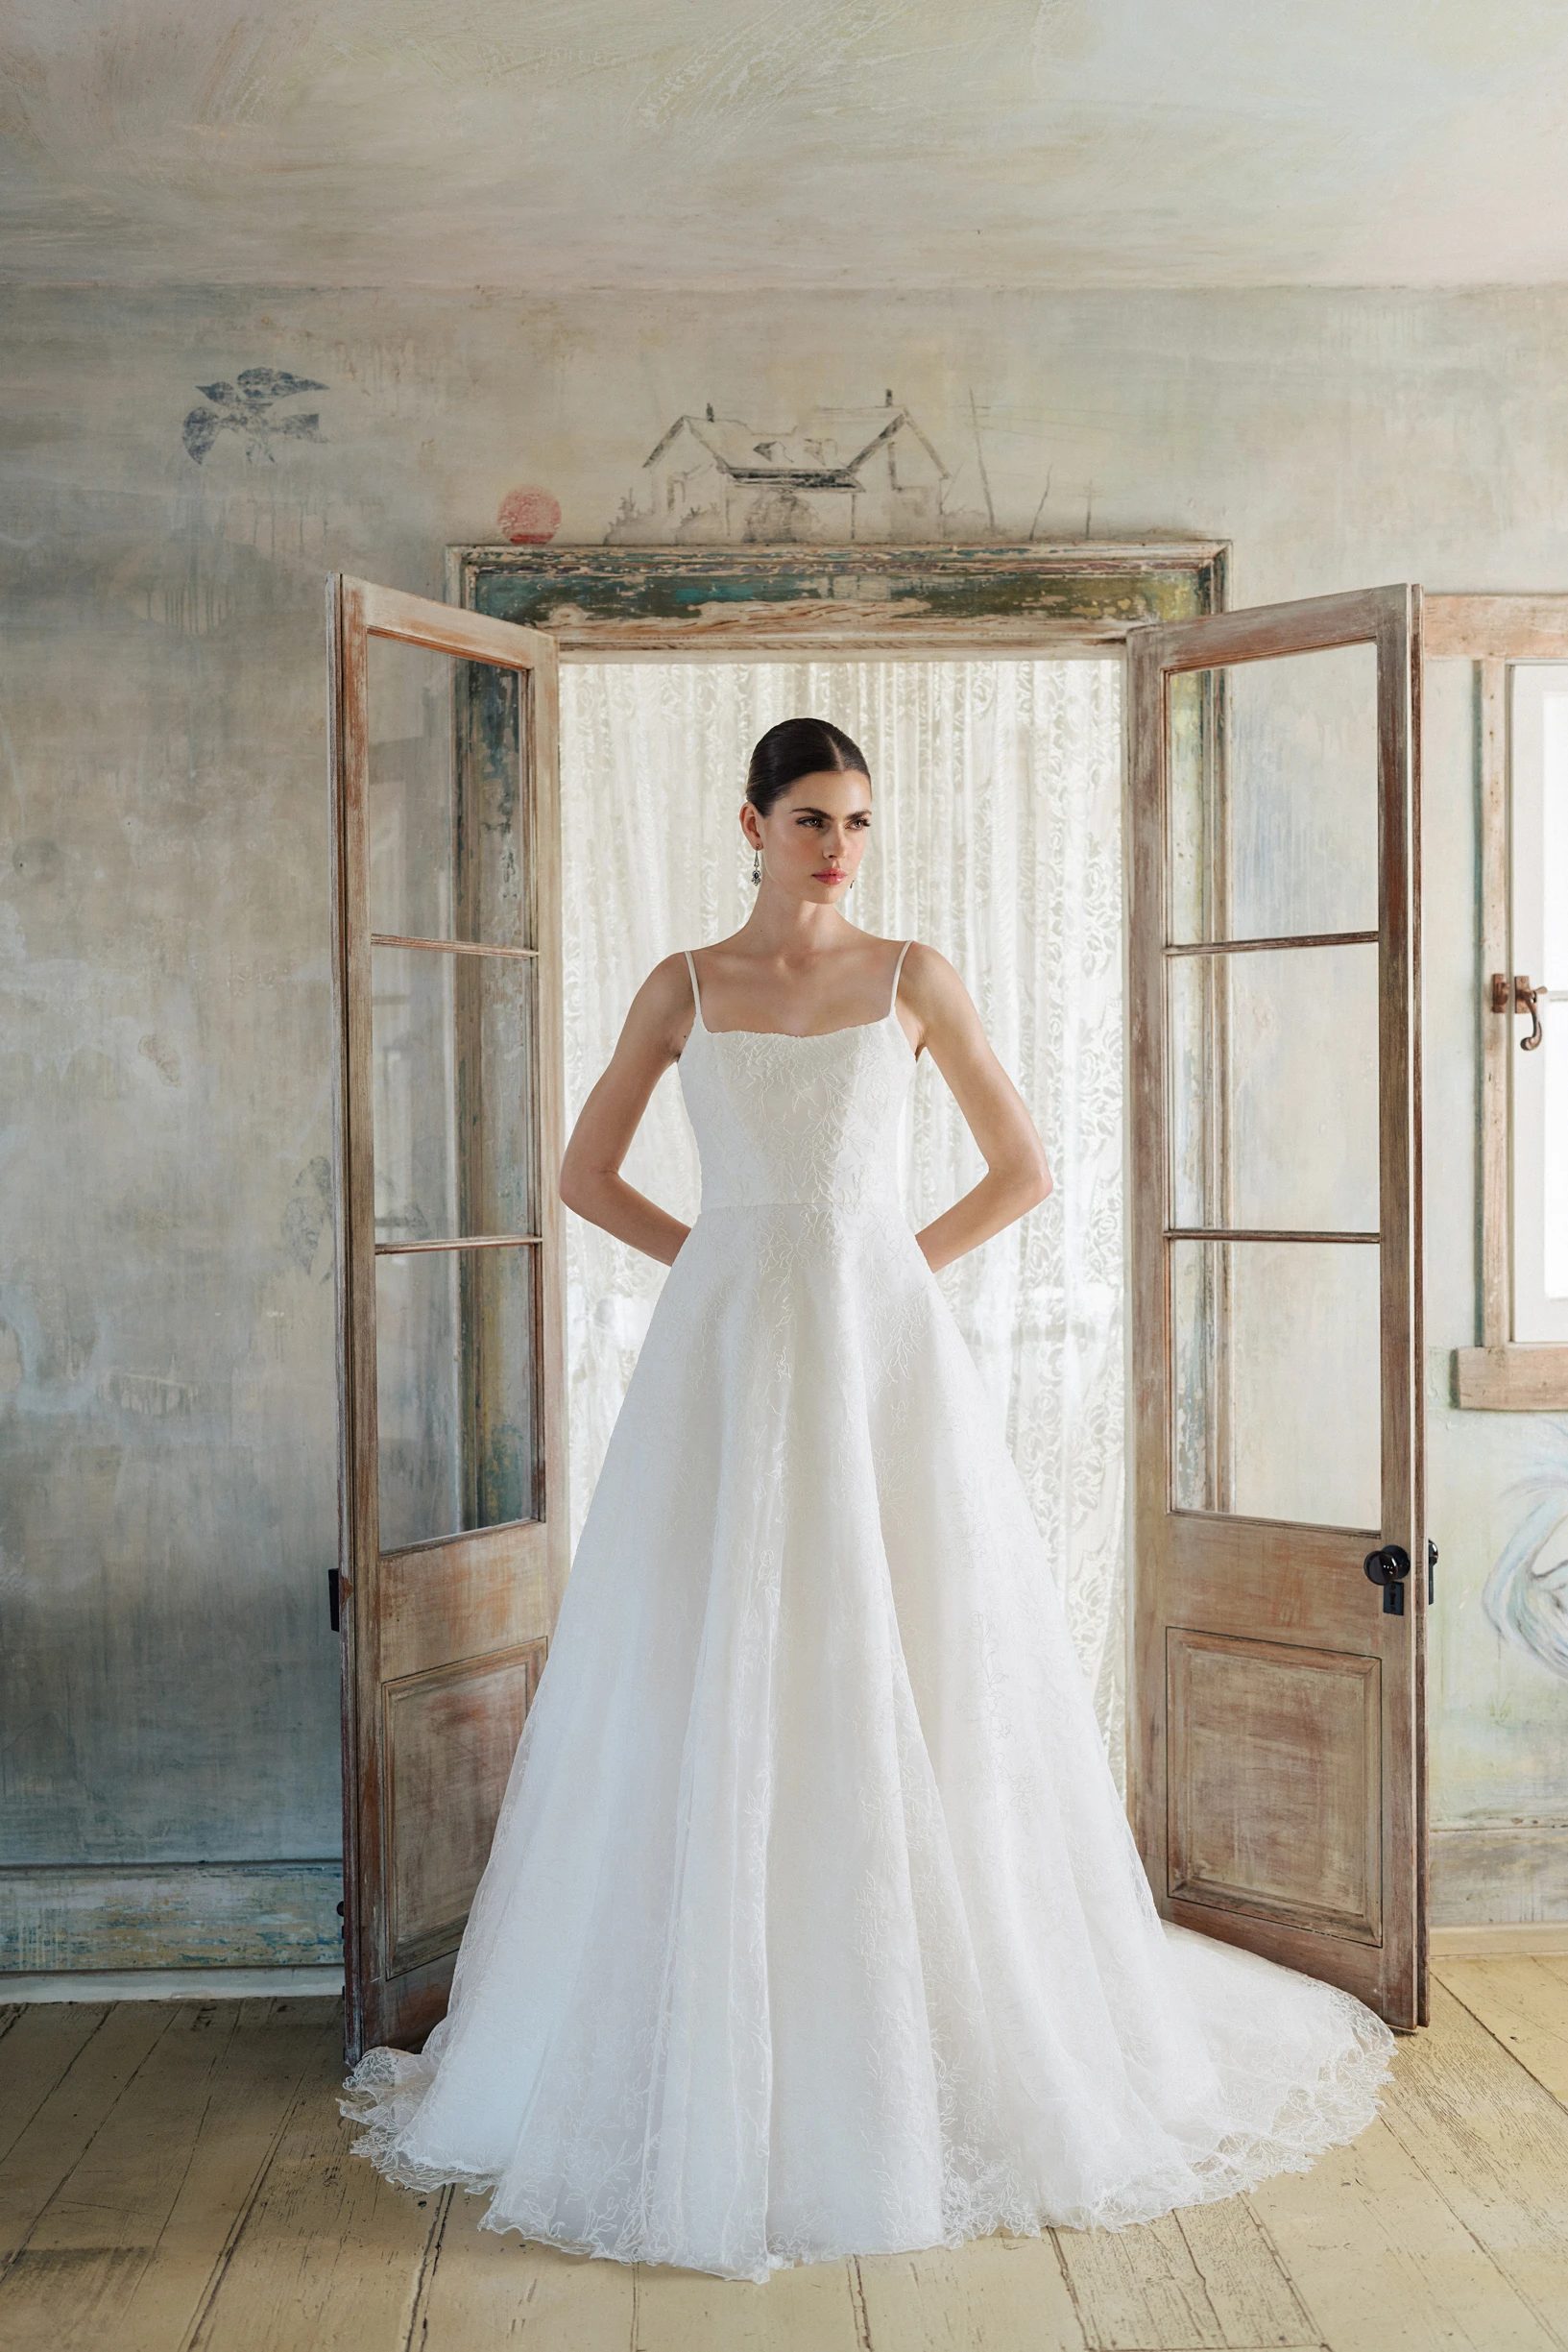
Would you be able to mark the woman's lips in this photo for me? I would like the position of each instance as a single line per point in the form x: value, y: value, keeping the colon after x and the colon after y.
x: 831, y: 873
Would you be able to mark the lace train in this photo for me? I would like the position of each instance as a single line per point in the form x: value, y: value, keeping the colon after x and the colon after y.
x: 387, y: 2089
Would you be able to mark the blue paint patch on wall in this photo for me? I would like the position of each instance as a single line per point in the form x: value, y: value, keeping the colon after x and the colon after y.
x: 245, y: 406
x: 190, y: 1915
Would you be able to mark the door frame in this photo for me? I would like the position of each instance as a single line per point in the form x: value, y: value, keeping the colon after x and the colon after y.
x: 836, y: 602
x: 883, y: 602
x: 591, y: 604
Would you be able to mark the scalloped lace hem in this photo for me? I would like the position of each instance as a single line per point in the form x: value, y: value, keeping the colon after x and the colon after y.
x: 386, y: 2089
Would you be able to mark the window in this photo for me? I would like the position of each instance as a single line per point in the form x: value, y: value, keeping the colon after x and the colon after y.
x: 1538, y: 1057
x: 1519, y: 648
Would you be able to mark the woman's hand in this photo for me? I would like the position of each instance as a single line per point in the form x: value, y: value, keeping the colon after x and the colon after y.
x: 1017, y: 1178
x: 655, y: 1030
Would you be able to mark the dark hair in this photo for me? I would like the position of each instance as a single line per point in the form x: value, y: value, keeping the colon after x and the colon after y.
x: 798, y: 747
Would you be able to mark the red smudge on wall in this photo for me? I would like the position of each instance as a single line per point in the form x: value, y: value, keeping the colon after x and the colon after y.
x: 530, y: 518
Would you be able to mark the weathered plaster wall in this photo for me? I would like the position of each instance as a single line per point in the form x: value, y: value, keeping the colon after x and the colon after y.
x: 166, y: 1411
x: 735, y: 143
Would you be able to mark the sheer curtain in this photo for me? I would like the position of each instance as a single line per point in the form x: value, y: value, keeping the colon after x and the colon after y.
x: 997, y: 837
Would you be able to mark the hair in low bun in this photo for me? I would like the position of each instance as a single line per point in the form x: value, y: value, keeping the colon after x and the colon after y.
x: 798, y: 747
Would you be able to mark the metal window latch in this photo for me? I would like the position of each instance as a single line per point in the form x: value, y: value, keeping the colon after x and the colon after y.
x: 1526, y: 999
x: 1432, y: 1571
x: 1388, y: 1567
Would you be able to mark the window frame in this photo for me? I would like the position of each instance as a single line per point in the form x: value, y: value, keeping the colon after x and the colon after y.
x: 1495, y: 634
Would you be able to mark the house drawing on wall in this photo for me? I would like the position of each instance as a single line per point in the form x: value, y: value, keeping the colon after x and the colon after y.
x: 841, y: 475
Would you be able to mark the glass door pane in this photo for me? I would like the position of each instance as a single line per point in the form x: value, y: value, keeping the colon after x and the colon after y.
x: 457, y: 1393
x: 1272, y: 808
x: 456, y: 1101
x: 447, y: 816
x: 1275, y: 1088
x: 1276, y: 1380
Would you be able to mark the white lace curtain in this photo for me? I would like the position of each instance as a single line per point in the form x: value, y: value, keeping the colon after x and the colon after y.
x: 997, y: 837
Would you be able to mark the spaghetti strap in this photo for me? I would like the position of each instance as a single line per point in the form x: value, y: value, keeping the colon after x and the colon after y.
x: 893, y: 1000
x: 696, y: 994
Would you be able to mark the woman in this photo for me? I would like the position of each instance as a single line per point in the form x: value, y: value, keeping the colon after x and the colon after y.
x: 812, y: 1923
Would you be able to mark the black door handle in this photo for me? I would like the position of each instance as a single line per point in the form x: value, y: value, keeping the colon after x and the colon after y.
x: 1388, y: 1567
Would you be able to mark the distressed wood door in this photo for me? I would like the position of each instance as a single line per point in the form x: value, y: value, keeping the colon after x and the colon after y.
x: 453, y: 1527
x: 1280, y: 1577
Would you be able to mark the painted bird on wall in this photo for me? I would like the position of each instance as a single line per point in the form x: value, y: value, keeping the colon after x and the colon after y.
x: 245, y: 406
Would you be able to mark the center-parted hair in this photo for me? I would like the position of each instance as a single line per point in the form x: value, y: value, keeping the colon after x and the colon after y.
x: 798, y: 747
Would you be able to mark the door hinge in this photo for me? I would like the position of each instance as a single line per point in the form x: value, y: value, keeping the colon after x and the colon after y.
x: 334, y: 1590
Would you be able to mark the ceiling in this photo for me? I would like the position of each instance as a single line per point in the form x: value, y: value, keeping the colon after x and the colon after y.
x: 541, y: 145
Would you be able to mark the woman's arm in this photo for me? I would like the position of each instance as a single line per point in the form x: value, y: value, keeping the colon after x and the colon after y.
x: 655, y: 1030
x: 1016, y: 1176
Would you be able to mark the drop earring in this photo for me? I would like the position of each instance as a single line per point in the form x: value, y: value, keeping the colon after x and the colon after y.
x: 757, y: 867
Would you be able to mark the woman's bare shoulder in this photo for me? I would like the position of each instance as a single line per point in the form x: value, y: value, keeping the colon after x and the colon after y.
x: 662, y: 1010
x: 926, y: 973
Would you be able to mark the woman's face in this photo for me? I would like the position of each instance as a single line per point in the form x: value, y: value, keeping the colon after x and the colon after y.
x: 813, y: 838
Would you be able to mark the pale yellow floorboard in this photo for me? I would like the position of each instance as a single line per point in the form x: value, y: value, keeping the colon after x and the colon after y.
x: 181, y: 2182
x: 999, y: 2295
x: 1495, y: 2146
x: 1140, y: 2289
x: 1249, y: 2288
x: 40, y: 2045
x: 123, y: 2251
x: 305, y: 2009
x: 65, y: 2123
x: 250, y: 2098
x: 329, y: 2258
x: 813, y: 2308
x: 486, y: 2287
x: 126, y: 2181
x: 70, y: 2282
x: 1523, y: 2003
x: 1381, y: 2263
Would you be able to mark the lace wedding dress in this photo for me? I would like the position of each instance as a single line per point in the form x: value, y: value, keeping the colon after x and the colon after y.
x: 813, y: 1923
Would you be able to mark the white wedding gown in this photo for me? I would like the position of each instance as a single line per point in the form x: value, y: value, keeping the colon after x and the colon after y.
x: 813, y: 1923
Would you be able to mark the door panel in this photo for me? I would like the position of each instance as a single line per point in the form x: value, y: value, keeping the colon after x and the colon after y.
x: 449, y: 1736
x: 453, y: 1515
x: 1304, y: 1724
x: 1277, y: 1743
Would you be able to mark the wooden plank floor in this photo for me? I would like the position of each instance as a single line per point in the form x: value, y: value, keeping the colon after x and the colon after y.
x: 176, y: 2178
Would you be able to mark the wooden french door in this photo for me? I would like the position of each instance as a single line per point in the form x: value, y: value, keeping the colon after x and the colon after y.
x: 454, y: 1512
x: 1280, y: 1578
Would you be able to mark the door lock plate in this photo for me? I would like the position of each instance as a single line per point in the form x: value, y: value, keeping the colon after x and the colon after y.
x: 1388, y: 1567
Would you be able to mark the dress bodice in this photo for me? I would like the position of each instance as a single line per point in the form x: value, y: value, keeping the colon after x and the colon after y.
x: 781, y: 1119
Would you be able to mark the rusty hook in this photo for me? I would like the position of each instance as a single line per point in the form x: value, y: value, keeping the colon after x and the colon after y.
x: 1526, y: 999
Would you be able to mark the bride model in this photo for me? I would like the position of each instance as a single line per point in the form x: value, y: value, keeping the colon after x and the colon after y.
x: 812, y: 1923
